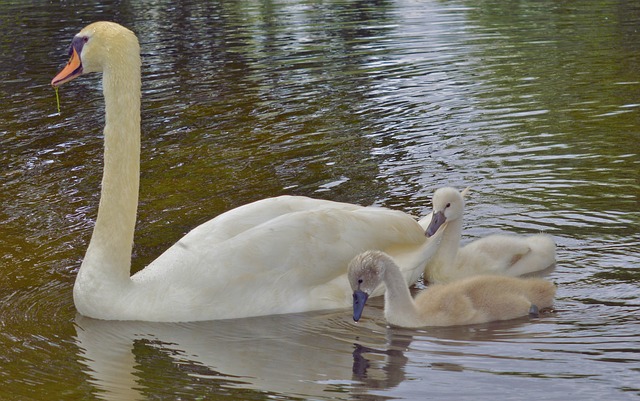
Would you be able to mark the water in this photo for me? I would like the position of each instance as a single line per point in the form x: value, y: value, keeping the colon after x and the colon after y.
x: 533, y: 104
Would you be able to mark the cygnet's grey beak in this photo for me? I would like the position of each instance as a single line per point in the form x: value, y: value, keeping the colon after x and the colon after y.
x: 359, y: 299
x: 437, y: 220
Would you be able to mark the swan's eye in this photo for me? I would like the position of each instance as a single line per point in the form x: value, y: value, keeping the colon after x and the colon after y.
x: 77, y: 44
x: 448, y: 205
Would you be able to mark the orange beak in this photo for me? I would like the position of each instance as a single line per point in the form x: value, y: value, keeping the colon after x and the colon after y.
x: 72, y: 70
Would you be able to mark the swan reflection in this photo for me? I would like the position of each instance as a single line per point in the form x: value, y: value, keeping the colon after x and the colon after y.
x: 306, y: 355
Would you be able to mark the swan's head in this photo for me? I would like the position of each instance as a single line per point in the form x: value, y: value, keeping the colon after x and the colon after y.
x: 365, y: 273
x: 97, y: 48
x: 448, y: 205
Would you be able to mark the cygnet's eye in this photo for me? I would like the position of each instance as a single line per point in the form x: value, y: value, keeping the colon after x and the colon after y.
x: 448, y: 205
x: 359, y: 281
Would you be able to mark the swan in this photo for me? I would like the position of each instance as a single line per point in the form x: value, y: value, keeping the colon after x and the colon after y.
x: 478, y: 299
x: 511, y: 255
x: 279, y: 255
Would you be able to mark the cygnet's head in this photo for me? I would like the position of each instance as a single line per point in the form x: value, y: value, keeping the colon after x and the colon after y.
x: 448, y: 205
x: 366, y: 272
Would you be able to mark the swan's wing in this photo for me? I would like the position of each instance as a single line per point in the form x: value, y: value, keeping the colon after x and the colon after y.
x: 512, y: 255
x: 246, y: 217
x: 425, y: 221
x: 291, y: 263
x: 318, y: 244
x: 497, y: 247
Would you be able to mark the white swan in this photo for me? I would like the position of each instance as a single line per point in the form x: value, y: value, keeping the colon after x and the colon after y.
x: 511, y: 255
x: 278, y: 255
x: 478, y: 299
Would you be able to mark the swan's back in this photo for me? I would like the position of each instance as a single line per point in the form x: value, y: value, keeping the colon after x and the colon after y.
x: 489, y: 291
x: 483, y: 299
x: 511, y: 255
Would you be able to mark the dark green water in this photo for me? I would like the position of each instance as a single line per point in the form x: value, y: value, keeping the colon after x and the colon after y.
x: 536, y: 105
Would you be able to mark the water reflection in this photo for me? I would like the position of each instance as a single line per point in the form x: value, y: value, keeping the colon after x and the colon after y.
x: 313, y: 355
x: 299, y: 355
x: 324, y: 355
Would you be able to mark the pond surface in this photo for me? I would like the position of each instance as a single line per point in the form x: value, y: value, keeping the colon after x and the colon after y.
x: 536, y: 105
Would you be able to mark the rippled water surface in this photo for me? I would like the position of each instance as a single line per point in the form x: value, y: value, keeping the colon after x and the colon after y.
x: 534, y: 104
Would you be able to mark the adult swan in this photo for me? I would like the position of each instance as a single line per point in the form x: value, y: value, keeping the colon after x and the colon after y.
x: 278, y: 255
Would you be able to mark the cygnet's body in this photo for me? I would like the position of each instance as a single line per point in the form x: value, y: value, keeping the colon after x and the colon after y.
x: 478, y: 299
x: 509, y: 255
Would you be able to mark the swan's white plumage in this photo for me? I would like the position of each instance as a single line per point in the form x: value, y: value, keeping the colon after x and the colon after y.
x: 278, y: 255
x: 478, y: 299
x: 511, y: 255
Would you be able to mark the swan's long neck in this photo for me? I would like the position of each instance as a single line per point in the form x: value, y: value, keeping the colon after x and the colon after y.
x: 451, y: 240
x: 443, y: 261
x: 108, y: 258
x: 399, y: 307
